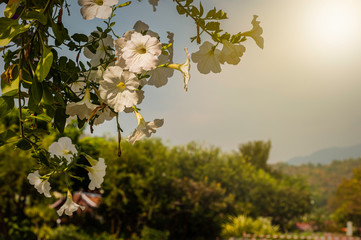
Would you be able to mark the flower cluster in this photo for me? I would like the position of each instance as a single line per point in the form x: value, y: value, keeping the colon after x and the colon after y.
x: 209, y: 58
x: 65, y: 151
x: 119, y: 77
x: 113, y: 81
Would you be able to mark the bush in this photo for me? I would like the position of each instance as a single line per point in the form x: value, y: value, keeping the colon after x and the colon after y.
x: 237, y: 226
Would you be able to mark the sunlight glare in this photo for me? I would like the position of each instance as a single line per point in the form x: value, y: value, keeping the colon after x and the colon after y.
x: 335, y: 23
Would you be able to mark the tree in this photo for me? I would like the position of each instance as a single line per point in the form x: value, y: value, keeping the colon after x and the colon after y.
x: 256, y: 153
x: 347, y: 200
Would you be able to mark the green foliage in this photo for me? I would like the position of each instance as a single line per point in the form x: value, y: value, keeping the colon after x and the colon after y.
x: 240, y: 225
x: 256, y: 153
x: 207, y: 24
x: 70, y: 232
x: 151, y: 234
x: 347, y: 200
x: 186, y: 191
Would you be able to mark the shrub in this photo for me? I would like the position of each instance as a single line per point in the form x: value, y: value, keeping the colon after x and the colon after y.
x: 237, y: 226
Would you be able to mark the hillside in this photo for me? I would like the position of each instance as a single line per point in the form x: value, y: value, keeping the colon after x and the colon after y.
x: 323, y: 179
x: 326, y: 156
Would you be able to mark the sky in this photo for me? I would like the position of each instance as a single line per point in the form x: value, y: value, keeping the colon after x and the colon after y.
x: 302, y: 91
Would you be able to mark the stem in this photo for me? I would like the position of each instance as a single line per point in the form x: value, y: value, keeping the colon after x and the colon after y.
x: 119, y: 136
x: 195, y: 19
x: 19, y: 90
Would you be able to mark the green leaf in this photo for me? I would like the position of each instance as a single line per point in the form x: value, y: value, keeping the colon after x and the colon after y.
x: 60, y: 119
x: 5, y: 88
x: 23, y: 144
x: 60, y: 32
x: 188, y: 2
x: 6, y: 105
x: 123, y: 4
x: 95, y: 34
x: 43, y: 159
x: 11, y: 93
x: 80, y: 37
x: 47, y: 96
x: 33, y: 106
x: 11, y: 8
x: 180, y: 10
x: 211, y: 13
x: 201, y: 10
x: 44, y: 64
x: 5, y: 24
x: 34, y: 15
x: 36, y: 91
x: 10, y: 30
x: 194, y: 11
x: 42, y: 117
x: 212, y: 26
x: 5, y: 136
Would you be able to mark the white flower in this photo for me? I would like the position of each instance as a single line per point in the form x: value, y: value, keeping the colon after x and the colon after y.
x: 207, y: 58
x: 144, y: 128
x: 231, y: 53
x: 96, y: 75
x: 101, y: 52
x: 78, y: 86
x: 83, y: 108
x: 119, y: 44
x: 118, y: 88
x: 96, y: 172
x: 184, y: 68
x: 69, y: 206
x: 96, y: 8
x: 43, y: 186
x: 159, y: 76
x: 103, y: 114
x: 141, y: 53
x: 255, y: 32
x: 63, y: 148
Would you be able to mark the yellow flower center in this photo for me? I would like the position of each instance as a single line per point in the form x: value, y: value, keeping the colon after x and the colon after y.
x: 121, y: 85
x: 99, y: 2
x: 142, y: 50
x: 66, y: 151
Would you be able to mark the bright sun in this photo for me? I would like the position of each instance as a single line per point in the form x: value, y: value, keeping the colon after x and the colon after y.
x: 335, y: 22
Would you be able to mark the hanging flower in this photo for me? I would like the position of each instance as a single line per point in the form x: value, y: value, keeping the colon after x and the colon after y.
x: 140, y: 53
x: 102, y: 51
x: 96, y: 172
x: 103, y: 114
x: 63, y: 148
x: 96, y: 8
x: 43, y: 186
x: 118, y: 88
x: 255, y: 32
x: 82, y: 109
x: 96, y: 75
x: 184, y: 68
x: 78, y: 86
x: 159, y: 76
x: 144, y: 128
x: 69, y: 206
x: 207, y: 58
x: 231, y: 53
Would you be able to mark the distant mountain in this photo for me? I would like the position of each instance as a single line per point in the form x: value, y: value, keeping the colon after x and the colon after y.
x: 327, y: 155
